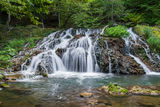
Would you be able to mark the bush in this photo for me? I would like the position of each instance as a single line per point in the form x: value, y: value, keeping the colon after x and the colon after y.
x: 154, y: 42
x: 147, y: 32
x: 117, y: 31
x: 12, y: 42
x: 133, y: 19
x: 151, y: 34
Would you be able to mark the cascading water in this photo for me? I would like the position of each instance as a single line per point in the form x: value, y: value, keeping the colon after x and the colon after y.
x: 109, y: 58
x: 134, y: 39
x: 77, y: 52
x: 138, y: 41
x: 73, y: 50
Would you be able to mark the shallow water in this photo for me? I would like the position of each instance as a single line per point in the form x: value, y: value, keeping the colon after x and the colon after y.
x: 62, y: 90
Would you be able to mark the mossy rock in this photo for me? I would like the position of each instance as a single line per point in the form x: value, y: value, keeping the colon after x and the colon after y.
x: 115, y: 90
x: 4, y: 85
x: 86, y: 94
x: 143, y: 91
x: 1, y: 76
x: 44, y: 74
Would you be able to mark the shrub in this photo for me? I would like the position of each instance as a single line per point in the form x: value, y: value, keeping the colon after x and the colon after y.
x: 147, y: 32
x: 12, y: 42
x: 133, y: 19
x: 152, y: 34
x: 154, y: 42
x: 117, y: 31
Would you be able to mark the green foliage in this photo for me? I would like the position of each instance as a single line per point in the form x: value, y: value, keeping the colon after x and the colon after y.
x: 16, y: 44
x: 98, y: 12
x: 14, y: 41
x: 78, y: 13
x: 1, y: 77
x: 147, y: 32
x: 151, y: 34
x: 4, y: 85
x: 32, y: 9
x: 133, y: 19
x: 115, y: 88
x: 83, y: 13
x: 154, y: 42
x: 149, y: 9
x: 117, y: 31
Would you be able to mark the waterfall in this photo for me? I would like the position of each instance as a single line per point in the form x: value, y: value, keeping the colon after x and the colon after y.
x: 134, y: 39
x: 77, y: 52
x: 73, y: 50
x: 138, y: 41
x: 109, y: 58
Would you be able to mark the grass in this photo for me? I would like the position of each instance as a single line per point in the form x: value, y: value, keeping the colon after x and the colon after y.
x: 13, y: 41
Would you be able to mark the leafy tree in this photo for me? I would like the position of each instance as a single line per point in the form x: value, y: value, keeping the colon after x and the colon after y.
x: 149, y: 9
x: 13, y: 8
x: 98, y: 13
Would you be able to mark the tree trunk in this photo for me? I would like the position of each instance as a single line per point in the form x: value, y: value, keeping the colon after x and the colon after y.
x: 9, y: 19
x: 9, y: 16
x: 59, y: 19
x: 42, y: 24
x: 112, y: 13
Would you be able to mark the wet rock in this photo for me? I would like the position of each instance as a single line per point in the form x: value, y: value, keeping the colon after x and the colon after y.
x: 86, y: 94
x: 44, y: 74
x: 114, y: 89
x: 120, y: 62
x: 104, y: 101
x: 20, y: 90
x: 103, y: 105
x: 92, y: 101
x: 146, y: 104
x: 143, y: 91
x: 18, y: 60
x: 59, y: 52
x: 12, y: 77
x: 4, y: 85
x: 78, y: 36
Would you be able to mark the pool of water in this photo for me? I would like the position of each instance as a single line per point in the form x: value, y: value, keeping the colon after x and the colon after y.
x: 61, y: 88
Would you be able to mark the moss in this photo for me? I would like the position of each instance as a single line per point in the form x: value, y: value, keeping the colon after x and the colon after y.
x: 115, y: 88
x: 27, y: 56
x: 101, y: 41
x: 44, y: 74
x: 1, y: 76
x: 4, y: 85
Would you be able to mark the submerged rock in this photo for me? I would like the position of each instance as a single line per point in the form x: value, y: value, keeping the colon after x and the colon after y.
x: 12, y: 77
x: 4, y: 85
x: 143, y: 91
x: 114, y: 89
x: 44, y: 74
x: 86, y: 94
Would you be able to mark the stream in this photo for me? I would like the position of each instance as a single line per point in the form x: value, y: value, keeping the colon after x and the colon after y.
x: 63, y: 89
